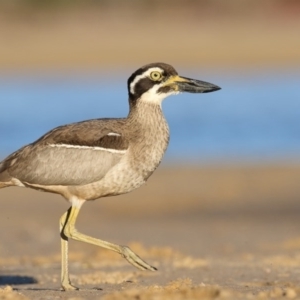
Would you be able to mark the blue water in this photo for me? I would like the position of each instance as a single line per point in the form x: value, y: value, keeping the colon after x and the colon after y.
x: 255, y: 117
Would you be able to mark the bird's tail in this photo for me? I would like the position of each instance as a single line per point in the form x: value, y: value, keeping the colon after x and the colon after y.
x: 3, y: 185
x: 5, y: 179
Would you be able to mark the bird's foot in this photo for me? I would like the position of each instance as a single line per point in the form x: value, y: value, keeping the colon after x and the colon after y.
x: 67, y: 286
x: 135, y: 260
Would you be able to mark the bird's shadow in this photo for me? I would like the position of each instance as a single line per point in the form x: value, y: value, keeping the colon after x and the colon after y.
x: 16, y: 279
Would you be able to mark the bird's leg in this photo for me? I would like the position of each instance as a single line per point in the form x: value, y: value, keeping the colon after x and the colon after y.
x: 70, y: 231
x: 65, y: 280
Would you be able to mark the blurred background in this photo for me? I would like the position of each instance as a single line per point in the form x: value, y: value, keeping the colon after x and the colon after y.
x: 229, y: 183
x: 64, y: 61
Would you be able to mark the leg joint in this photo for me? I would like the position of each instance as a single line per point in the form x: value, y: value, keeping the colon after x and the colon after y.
x: 69, y: 231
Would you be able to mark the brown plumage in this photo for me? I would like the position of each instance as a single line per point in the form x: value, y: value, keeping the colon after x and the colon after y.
x: 102, y: 157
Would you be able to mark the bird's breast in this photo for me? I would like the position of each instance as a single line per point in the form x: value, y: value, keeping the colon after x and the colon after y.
x: 146, y: 154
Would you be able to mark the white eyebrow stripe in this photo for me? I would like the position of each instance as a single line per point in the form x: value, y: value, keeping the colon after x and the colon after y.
x: 113, y: 134
x: 144, y: 75
x: 87, y: 148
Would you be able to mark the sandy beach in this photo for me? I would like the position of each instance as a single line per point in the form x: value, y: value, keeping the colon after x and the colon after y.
x: 220, y: 231
x: 212, y: 232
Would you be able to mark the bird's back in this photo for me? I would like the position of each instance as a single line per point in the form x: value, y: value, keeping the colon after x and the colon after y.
x: 73, y: 154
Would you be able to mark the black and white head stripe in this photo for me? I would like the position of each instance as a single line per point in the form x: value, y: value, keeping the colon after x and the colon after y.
x: 145, y: 74
x: 140, y: 82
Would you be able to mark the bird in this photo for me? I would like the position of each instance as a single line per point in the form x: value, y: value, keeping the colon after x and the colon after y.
x: 102, y: 157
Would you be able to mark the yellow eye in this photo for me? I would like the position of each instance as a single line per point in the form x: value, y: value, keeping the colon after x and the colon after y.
x: 155, y: 76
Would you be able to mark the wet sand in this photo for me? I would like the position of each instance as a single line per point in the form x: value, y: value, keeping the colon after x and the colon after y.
x: 229, y: 232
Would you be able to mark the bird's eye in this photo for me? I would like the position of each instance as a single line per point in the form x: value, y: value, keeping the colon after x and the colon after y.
x: 155, y: 76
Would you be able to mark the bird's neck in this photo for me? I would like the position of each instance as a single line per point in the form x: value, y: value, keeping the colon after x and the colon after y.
x: 150, y: 136
x: 147, y: 114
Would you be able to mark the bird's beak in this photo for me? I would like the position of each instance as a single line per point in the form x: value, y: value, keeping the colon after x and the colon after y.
x: 183, y: 84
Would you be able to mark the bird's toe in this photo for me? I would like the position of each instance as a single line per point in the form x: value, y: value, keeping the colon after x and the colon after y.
x: 135, y: 260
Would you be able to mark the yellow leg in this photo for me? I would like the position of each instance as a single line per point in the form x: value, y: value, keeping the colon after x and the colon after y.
x: 65, y: 280
x: 68, y: 230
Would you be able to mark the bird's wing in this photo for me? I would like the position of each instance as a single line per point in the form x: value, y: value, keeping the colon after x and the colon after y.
x: 74, y: 154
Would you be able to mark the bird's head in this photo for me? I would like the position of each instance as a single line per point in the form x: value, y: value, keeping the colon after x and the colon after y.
x: 154, y: 82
